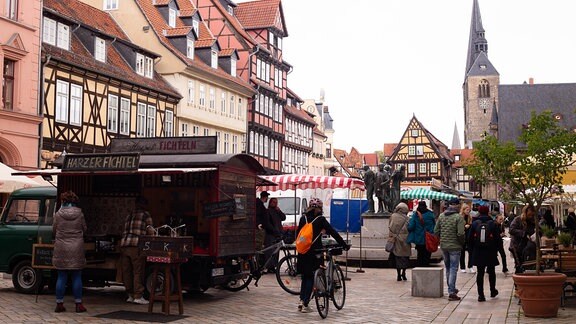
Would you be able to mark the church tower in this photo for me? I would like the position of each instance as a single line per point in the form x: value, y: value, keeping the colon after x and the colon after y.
x: 481, y: 83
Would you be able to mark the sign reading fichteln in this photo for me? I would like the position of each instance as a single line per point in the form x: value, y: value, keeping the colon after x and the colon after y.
x: 165, y: 145
x: 104, y: 162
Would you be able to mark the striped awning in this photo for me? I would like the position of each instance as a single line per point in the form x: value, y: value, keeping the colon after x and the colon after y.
x: 299, y: 181
x: 421, y: 193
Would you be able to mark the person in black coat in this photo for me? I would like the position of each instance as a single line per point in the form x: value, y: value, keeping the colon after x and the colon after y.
x: 308, y: 262
x: 485, y: 254
x: 273, y: 228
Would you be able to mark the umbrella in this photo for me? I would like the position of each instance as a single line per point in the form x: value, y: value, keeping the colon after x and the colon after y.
x: 421, y: 193
x: 9, y: 183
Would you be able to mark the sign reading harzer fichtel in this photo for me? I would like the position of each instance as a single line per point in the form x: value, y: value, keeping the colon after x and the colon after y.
x: 101, y: 162
x: 166, y: 145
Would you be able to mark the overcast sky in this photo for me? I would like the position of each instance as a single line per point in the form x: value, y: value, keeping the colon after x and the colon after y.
x: 381, y: 61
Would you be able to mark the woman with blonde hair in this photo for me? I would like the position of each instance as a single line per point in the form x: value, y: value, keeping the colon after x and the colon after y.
x: 465, y: 212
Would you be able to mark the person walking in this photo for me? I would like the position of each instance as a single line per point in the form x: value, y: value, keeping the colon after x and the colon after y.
x: 308, y: 262
x: 69, y: 257
x: 484, y: 241
x: 571, y: 222
x: 520, y: 231
x: 136, y: 224
x: 450, y: 229
x: 273, y: 228
x: 422, y: 221
x: 465, y: 211
x: 260, y: 219
x: 398, y: 231
x: 500, y: 224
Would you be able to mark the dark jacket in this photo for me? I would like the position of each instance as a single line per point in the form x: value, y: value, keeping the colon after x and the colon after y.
x: 416, y: 229
x: 482, y: 256
x: 571, y: 222
x: 69, y: 227
x: 260, y: 212
x: 308, y: 262
x: 519, y: 233
x: 273, y: 223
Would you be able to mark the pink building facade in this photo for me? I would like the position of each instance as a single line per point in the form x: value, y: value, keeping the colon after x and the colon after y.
x: 20, y: 118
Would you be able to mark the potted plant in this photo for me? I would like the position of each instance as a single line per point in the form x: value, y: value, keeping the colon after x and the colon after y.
x: 564, y: 239
x: 530, y: 172
x: 548, y: 234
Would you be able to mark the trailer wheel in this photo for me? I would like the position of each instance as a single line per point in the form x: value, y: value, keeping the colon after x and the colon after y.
x: 160, y: 280
x: 26, y: 279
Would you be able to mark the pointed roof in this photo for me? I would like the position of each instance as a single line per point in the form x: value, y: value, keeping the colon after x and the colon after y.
x: 262, y: 14
x: 482, y: 66
x: 456, y: 138
x: 477, y: 43
x: 371, y: 159
x: 436, y: 144
x: 494, y: 117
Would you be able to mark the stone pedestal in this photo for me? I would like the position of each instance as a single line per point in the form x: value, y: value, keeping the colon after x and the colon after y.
x: 428, y: 282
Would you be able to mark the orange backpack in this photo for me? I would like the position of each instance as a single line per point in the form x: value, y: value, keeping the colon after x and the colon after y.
x: 305, y: 239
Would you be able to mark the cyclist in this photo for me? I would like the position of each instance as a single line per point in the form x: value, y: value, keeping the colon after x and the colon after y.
x: 308, y: 262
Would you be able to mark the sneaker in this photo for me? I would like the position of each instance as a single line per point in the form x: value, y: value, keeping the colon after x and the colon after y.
x: 481, y: 298
x: 463, y: 270
x: 60, y: 308
x: 452, y: 297
x: 300, y: 305
x: 306, y: 309
x: 130, y: 299
x: 141, y: 301
x: 494, y: 293
x: 456, y: 291
x: 471, y: 270
x: 80, y: 308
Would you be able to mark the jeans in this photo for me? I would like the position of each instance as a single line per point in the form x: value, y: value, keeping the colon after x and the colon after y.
x: 451, y: 261
x: 306, y: 289
x: 76, y: 285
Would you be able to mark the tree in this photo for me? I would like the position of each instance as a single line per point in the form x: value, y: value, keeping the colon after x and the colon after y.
x: 531, y: 172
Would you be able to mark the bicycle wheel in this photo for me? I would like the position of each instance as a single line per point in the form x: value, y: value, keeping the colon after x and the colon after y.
x: 287, y: 274
x: 321, y: 296
x: 338, y: 287
x: 241, y: 283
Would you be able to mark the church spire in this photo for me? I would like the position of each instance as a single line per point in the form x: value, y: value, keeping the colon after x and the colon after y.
x: 477, y: 43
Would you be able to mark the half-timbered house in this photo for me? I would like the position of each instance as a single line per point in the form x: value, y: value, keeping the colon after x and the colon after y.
x: 423, y: 156
x: 299, y: 137
x: 97, y: 84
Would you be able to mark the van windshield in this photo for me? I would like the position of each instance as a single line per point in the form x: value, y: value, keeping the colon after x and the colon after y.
x: 286, y: 205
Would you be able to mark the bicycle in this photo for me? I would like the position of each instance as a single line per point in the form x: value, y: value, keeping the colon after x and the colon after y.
x: 286, y: 270
x: 329, y: 281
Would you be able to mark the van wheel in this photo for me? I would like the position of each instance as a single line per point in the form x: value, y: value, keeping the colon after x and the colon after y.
x: 26, y: 279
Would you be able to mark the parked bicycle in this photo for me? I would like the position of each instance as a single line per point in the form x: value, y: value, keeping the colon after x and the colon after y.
x: 329, y: 283
x: 286, y: 270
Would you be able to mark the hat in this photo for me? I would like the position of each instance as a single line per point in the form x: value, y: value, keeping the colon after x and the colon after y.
x: 484, y: 210
x: 454, y: 201
x: 315, y: 202
x: 422, y: 204
x: 264, y: 194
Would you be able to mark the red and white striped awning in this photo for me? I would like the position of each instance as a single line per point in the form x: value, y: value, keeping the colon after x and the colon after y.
x: 299, y: 181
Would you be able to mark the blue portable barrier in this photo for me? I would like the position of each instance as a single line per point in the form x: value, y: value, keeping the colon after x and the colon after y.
x: 340, y: 214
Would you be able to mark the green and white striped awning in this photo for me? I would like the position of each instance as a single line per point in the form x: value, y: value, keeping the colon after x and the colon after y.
x: 421, y: 193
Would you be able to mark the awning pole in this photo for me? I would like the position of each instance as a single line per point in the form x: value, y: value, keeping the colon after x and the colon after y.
x: 347, y: 231
x: 360, y: 270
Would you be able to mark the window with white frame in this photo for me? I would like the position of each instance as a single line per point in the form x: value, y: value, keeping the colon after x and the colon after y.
x: 171, y: 17
x: 230, y: 9
x: 411, y: 150
x: 8, y: 84
x: 239, y: 107
x: 99, y: 49
x: 112, y: 125
x: 125, y: 116
x: 251, y: 141
x: 419, y: 150
x: 144, y: 65
x: 62, y: 91
x: 196, y: 27
x: 202, y: 99
x: 190, y: 48
x: 190, y: 91
x: 195, y: 130
x: 12, y: 9
x: 434, y: 167
x: 184, y: 129
x: 226, y: 143
x: 223, y: 102
x: 212, y: 103
x: 266, y: 141
x: 151, y: 121
x: 218, y: 143
x: 56, y: 33
x: 214, y: 59
x: 206, y: 132
x: 68, y: 103
x: 169, y: 123
x: 76, y: 93
x: 232, y: 108
x: 234, y: 144
x: 422, y: 168
x: 141, y: 120
x: 411, y: 168
x: 233, y: 67
x: 110, y: 4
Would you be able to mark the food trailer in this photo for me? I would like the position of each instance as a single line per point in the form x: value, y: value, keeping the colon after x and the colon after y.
x: 209, y: 197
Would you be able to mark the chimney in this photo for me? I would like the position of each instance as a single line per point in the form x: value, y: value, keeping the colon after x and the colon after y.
x: 531, y: 81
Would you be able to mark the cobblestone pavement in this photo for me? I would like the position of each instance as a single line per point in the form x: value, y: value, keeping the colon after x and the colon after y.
x: 372, y: 297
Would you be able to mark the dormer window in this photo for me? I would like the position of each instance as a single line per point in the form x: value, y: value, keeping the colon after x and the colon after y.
x: 233, y: 66
x: 111, y: 4
x: 214, y: 59
x: 56, y: 33
x: 144, y: 65
x: 100, y: 49
x: 196, y: 27
x: 230, y: 10
x: 172, y: 17
x: 190, y: 48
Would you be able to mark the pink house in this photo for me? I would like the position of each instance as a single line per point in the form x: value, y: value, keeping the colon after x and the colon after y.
x: 19, y: 54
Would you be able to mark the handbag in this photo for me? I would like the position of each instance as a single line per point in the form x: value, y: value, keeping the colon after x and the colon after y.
x: 432, y: 241
x: 389, y: 247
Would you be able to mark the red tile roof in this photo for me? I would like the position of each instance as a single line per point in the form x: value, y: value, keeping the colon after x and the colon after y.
x: 161, y: 2
x: 389, y: 149
x: 178, y: 31
x: 317, y: 131
x: 465, y: 156
x: 185, y: 5
x: 233, y: 20
x: 260, y: 14
x: 371, y: 159
x: 226, y: 52
x: 187, y: 13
